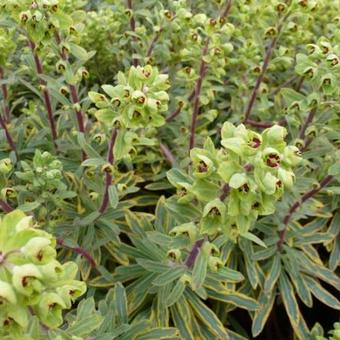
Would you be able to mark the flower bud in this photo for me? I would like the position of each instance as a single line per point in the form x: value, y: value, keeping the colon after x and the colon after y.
x: 292, y: 155
x: 5, y: 166
x: 271, y: 158
x: 50, y: 309
x: 38, y: 249
x: 25, y: 279
x: 61, y: 66
x: 174, y: 255
x: 215, y: 263
x: 64, y: 91
x: 188, y: 229
x: 275, y: 134
x: 7, y: 294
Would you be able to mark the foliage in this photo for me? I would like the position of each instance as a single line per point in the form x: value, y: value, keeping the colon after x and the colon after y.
x: 183, y: 155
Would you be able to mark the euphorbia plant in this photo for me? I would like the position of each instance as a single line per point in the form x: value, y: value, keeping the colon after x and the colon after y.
x: 184, y: 154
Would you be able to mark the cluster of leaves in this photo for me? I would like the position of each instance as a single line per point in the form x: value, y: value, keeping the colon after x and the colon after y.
x: 197, y: 194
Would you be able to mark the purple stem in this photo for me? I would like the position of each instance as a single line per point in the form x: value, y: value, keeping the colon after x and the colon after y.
x: 306, y: 196
x: 108, y: 174
x: 5, y: 95
x: 308, y: 121
x: 174, y: 114
x: 133, y: 27
x: 8, y: 135
x: 202, y: 72
x: 191, y: 258
x: 46, y: 94
x: 74, y: 96
x: 265, y: 125
x: 167, y: 154
x: 226, y: 11
x: 79, y: 251
x: 265, y: 65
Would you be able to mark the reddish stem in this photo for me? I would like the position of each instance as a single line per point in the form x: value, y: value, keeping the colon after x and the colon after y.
x: 79, y: 251
x: 108, y: 174
x: 133, y: 27
x: 167, y: 154
x: 174, y: 114
x: 265, y: 125
x: 202, y: 72
x: 306, y: 123
x: 46, y: 94
x: 265, y: 65
x: 74, y: 96
x: 226, y: 11
x: 8, y: 135
x: 306, y: 196
x: 5, y: 95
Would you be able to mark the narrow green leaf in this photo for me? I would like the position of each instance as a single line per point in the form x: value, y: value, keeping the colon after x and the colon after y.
x: 87, y: 147
x: 273, y: 274
x: 176, y: 293
x: 235, y: 298
x: 322, y: 294
x: 266, y: 302
x: 199, y: 271
x: 85, y: 326
x: 248, y: 235
x: 153, y: 266
x: 206, y: 315
x: 136, y: 329
x: 288, y: 298
x: 113, y: 196
x: 120, y: 304
x: 160, y: 333
x: 182, y: 322
x: 169, y: 276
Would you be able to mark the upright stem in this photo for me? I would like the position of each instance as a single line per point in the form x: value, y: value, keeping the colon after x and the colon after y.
x: 259, y: 79
x: 202, y: 73
x: 306, y: 196
x: 5, y: 95
x: 5, y: 207
x: 46, y: 94
x: 108, y: 174
x: 167, y: 154
x: 73, y: 91
x: 133, y: 27
x: 265, y: 65
x: 8, y: 135
x: 153, y: 42
x: 302, y: 135
x: 227, y: 8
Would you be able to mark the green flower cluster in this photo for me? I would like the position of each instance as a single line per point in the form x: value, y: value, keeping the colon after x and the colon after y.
x: 252, y: 169
x: 321, y: 67
x: 137, y: 101
x: 40, y: 18
x: 45, y: 173
x: 32, y: 281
